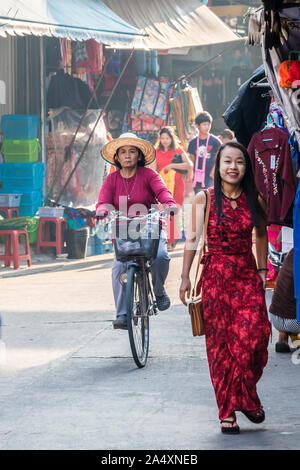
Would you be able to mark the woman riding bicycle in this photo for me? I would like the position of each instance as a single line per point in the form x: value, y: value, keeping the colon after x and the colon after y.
x: 134, y: 190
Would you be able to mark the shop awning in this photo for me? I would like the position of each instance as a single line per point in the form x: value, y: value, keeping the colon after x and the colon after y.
x: 72, y: 19
x: 173, y: 23
x: 230, y: 10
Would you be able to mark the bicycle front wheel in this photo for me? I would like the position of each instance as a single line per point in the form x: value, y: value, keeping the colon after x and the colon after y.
x: 137, y: 317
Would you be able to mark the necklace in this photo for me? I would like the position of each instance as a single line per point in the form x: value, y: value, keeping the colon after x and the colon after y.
x: 233, y: 200
x: 126, y: 186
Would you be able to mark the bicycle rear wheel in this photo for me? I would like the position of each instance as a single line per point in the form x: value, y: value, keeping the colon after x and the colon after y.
x: 137, y: 317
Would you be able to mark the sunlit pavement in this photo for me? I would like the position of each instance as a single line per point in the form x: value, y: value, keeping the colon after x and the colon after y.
x: 68, y: 380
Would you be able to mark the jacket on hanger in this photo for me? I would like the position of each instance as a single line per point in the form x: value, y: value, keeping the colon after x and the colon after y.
x: 248, y: 110
x: 270, y: 155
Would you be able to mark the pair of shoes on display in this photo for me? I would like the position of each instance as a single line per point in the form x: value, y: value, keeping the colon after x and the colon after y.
x: 120, y: 323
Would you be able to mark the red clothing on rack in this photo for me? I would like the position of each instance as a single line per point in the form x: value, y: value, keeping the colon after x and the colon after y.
x: 271, y: 159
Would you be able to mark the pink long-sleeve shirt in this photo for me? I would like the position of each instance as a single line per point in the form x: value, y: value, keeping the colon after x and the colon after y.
x: 145, y: 189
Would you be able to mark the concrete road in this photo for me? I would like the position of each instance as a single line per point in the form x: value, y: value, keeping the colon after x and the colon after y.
x: 69, y: 381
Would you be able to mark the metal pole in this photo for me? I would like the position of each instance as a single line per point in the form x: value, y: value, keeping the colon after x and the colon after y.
x: 43, y: 107
x: 93, y: 130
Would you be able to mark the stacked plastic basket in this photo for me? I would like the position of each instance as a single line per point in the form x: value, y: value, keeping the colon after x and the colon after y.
x: 21, y: 173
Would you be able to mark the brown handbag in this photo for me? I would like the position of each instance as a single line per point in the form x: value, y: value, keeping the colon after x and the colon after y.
x: 195, y: 305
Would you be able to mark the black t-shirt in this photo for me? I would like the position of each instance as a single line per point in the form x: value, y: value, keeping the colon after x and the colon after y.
x: 213, y: 146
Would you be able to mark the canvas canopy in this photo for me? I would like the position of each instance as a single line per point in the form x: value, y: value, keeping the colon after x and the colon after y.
x: 72, y: 19
x: 173, y: 23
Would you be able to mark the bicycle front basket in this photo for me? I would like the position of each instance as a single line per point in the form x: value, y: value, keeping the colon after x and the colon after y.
x: 137, y: 239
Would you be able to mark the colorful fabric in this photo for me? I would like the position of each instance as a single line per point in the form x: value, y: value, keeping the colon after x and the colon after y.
x: 296, y: 226
x: 150, y: 97
x: 295, y: 74
x: 284, y: 73
x: 235, y: 314
x: 169, y: 179
x: 273, y: 233
x: 138, y: 94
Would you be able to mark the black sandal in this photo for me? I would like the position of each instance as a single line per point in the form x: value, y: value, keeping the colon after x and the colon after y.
x: 254, y: 418
x: 230, y: 430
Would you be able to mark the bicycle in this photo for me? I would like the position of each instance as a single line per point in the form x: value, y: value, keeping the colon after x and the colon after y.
x: 137, y: 251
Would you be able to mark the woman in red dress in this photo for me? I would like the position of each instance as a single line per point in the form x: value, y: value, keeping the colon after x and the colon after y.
x: 167, y: 147
x: 236, y: 321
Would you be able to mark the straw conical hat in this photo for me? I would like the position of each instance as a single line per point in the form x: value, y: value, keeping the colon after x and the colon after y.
x: 109, y: 150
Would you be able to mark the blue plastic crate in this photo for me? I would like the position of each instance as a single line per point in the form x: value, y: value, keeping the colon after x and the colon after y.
x: 22, y: 176
x: 30, y: 202
x: 19, y: 126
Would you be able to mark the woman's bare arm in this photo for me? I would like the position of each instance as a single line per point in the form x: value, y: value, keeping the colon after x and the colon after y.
x: 262, y: 244
x: 193, y: 235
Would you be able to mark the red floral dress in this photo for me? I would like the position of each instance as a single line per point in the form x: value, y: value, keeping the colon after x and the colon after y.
x: 236, y: 321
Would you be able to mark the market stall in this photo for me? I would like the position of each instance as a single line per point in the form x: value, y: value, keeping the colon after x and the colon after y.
x: 275, y: 27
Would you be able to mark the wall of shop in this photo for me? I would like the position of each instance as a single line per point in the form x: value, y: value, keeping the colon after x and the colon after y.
x: 7, y: 74
x: 20, y: 71
x: 28, y: 98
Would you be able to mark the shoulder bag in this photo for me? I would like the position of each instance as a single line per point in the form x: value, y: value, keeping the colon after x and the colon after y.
x: 195, y: 304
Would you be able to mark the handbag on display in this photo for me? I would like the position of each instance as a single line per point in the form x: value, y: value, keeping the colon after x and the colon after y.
x: 195, y: 305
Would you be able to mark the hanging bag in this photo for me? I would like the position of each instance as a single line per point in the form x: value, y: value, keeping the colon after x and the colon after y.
x: 195, y: 305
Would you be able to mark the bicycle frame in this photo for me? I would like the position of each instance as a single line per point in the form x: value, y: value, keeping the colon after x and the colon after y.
x: 143, y: 265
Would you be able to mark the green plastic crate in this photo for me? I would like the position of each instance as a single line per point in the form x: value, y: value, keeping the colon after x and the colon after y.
x: 21, y: 151
x: 31, y: 224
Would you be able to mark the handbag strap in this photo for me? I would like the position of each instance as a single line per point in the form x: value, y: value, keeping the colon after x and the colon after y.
x: 204, y: 233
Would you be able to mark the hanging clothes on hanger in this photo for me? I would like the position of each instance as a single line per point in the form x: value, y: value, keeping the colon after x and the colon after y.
x: 270, y: 155
x: 274, y: 118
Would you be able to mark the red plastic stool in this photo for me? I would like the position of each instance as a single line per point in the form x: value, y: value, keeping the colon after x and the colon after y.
x: 45, y: 242
x: 10, y: 211
x: 12, y: 251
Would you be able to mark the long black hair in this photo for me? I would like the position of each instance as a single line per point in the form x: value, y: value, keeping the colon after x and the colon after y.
x: 248, y: 185
x: 171, y: 133
x: 141, y: 158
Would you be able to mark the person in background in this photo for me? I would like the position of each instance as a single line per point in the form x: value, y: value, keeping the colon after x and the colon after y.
x: 282, y: 311
x: 202, y: 151
x: 226, y: 136
x: 168, y: 147
x: 133, y: 188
